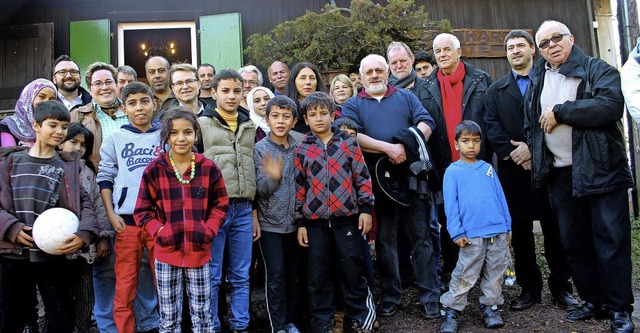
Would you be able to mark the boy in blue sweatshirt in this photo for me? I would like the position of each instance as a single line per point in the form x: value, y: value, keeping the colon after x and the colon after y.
x: 123, y: 157
x: 479, y: 223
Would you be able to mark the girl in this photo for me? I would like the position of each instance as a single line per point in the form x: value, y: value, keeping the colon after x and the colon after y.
x: 182, y: 203
x: 257, y: 100
x: 80, y: 140
x: 17, y: 130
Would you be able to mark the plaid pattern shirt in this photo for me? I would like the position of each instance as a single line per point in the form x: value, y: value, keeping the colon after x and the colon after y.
x: 331, y: 181
x: 110, y: 125
x: 191, y: 214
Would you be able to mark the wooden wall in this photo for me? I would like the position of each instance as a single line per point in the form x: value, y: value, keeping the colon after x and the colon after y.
x: 263, y: 15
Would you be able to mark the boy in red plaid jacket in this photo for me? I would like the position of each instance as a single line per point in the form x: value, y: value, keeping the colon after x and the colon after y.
x: 333, y: 211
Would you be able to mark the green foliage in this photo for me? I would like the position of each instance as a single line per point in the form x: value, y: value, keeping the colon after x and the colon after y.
x: 333, y: 39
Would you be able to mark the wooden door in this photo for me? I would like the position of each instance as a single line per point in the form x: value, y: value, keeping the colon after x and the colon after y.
x: 26, y: 53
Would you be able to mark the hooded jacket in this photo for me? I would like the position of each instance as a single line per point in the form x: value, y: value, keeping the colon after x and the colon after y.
x: 598, y: 147
x: 191, y: 214
x: 231, y: 151
x: 72, y: 197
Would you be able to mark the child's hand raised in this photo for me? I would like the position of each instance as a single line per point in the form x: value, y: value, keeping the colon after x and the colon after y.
x: 462, y: 242
x: 364, y: 223
x: 272, y: 167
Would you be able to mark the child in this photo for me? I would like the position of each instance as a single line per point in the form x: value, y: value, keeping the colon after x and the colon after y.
x: 33, y: 180
x: 80, y: 140
x: 182, y: 202
x: 273, y: 158
x: 228, y: 138
x: 333, y: 211
x: 124, y: 156
x: 479, y: 223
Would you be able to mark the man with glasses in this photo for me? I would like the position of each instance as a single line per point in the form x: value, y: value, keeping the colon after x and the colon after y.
x: 186, y: 88
x: 251, y: 78
x: 157, y: 71
x: 573, y: 109
x: 382, y: 112
x: 505, y: 133
x: 66, y: 76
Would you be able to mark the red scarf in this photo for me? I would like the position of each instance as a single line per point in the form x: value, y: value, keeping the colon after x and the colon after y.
x: 451, y: 89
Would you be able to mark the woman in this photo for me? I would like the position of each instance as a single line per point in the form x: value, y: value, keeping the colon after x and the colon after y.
x: 17, y: 130
x: 341, y: 90
x: 257, y: 100
x: 303, y: 80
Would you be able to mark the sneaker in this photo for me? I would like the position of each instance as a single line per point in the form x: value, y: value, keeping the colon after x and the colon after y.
x: 431, y: 310
x: 281, y: 331
x: 491, y: 316
x: 291, y: 328
x: 387, y: 309
x: 450, y: 322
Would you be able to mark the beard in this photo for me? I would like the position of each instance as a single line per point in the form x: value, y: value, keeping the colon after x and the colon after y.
x: 71, y: 88
x: 376, y: 88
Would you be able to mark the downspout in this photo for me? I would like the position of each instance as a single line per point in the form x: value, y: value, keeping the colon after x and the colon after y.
x: 592, y: 34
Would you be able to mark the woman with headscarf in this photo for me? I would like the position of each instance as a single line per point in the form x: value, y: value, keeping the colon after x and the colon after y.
x: 17, y: 129
x: 257, y: 100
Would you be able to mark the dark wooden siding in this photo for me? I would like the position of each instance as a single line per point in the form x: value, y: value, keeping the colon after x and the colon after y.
x: 263, y: 15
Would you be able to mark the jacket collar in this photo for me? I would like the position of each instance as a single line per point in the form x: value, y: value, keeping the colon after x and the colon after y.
x: 338, y: 135
x: 154, y: 128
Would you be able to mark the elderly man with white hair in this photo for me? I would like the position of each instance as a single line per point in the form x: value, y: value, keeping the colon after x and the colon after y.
x: 454, y: 92
x: 251, y: 78
x: 382, y: 112
x: 573, y: 109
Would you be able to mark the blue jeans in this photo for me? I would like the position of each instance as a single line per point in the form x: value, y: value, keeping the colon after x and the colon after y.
x: 104, y: 287
x: 237, y: 234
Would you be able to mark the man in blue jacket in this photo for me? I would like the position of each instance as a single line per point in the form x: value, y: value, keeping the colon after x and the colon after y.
x: 573, y: 109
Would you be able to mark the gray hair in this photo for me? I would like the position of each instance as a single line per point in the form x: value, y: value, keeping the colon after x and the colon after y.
x: 549, y: 24
x: 445, y: 36
x: 251, y: 68
x: 397, y: 45
x: 128, y: 70
x: 376, y: 56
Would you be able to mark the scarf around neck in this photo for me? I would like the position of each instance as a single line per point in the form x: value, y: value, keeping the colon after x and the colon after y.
x: 451, y: 89
x: 21, y: 122
x: 403, y: 83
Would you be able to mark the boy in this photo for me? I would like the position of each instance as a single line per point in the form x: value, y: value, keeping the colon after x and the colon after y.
x: 228, y: 138
x: 334, y: 200
x: 479, y: 223
x: 33, y: 180
x: 273, y: 158
x: 124, y: 156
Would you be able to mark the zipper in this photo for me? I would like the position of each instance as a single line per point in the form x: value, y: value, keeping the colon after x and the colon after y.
x: 326, y: 159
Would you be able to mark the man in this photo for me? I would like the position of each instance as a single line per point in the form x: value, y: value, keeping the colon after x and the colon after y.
x: 66, y: 76
x: 452, y: 93
x: 186, y: 88
x: 206, y: 72
x: 424, y: 64
x: 126, y: 75
x: 251, y: 78
x: 400, y: 60
x: 278, y: 74
x: 356, y: 80
x: 505, y: 132
x: 157, y: 72
x: 381, y: 112
x: 573, y: 109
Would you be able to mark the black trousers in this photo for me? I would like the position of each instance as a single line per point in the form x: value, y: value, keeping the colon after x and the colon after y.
x: 18, y: 280
x: 528, y: 273
x: 345, y: 241
x: 596, y: 234
x: 281, y: 254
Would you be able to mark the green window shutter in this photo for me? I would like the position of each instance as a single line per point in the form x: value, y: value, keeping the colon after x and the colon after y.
x: 90, y: 41
x: 221, y: 40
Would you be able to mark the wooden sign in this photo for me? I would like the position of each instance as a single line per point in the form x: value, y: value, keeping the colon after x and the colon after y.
x: 482, y: 43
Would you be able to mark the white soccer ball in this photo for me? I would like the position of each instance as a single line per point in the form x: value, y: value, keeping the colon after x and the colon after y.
x: 51, y: 228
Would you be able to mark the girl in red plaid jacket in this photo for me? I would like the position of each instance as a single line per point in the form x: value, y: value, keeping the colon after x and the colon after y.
x: 182, y: 202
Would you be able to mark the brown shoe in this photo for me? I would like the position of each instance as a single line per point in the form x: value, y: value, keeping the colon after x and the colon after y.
x: 339, y: 319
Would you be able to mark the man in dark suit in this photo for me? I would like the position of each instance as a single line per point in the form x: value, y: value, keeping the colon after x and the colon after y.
x: 505, y: 131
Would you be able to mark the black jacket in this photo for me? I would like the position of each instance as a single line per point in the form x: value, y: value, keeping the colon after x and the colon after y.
x: 598, y: 147
x: 476, y: 83
x: 84, y: 95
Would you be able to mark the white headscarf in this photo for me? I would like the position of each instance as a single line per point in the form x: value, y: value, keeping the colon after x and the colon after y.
x: 257, y: 119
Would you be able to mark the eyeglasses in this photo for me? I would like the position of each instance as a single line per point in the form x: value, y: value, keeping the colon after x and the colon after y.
x: 64, y: 72
x: 187, y: 82
x: 99, y: 84
x: 251, y: 83
x: 555, y: 39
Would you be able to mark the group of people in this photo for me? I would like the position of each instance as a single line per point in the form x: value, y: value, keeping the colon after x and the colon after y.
x: 176, y: 182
